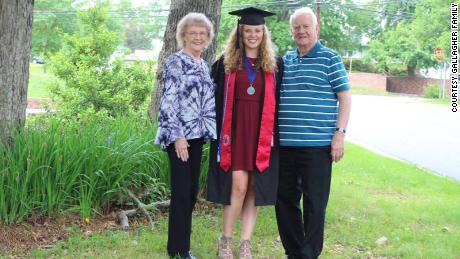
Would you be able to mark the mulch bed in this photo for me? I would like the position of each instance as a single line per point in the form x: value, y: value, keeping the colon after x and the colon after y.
x: 43, y: 232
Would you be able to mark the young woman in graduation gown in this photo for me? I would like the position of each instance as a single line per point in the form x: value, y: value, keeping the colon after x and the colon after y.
x: 243, y: 168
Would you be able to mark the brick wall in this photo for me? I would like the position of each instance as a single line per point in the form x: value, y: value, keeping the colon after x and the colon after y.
x: 412, y: 85
x: 368, y: 79
x: 395, y: 84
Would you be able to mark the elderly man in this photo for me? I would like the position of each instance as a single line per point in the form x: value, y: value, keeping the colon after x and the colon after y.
x: 313, y: 115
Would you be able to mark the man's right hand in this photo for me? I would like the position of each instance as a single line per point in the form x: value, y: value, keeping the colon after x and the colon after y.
x: 337, y: 147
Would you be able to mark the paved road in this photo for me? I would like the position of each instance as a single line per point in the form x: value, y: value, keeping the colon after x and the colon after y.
x: 407, y: 128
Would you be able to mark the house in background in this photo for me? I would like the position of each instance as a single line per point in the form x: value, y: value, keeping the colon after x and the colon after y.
x: 140, y: 55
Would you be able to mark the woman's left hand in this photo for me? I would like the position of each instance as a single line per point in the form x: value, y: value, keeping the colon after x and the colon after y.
x: 181, y: 145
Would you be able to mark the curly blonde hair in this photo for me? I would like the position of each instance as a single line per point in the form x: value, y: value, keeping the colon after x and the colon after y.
x: 233, y: 57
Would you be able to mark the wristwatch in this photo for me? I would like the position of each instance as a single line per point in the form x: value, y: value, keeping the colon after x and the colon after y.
x: 341, y: 130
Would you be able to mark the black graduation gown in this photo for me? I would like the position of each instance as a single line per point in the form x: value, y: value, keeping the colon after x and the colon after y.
x: 219, y: 182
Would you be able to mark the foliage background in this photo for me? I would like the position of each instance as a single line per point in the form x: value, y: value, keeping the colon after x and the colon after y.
x: 99, y: 97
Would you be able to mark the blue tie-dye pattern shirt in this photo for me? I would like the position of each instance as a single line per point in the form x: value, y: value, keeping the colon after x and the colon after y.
x: 187, y: 108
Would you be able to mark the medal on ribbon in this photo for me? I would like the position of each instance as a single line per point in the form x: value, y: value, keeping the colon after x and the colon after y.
x: 251, y: 75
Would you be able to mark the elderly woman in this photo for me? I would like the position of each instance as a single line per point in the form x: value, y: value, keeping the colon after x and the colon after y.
x: 186, y: 119
x: 243, y: 168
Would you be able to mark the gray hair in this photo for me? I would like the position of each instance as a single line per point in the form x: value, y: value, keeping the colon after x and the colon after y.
x: 191, y: 19
x: 304, y: 11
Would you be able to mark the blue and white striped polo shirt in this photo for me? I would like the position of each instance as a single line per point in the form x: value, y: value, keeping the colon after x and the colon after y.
x: 308, y: 106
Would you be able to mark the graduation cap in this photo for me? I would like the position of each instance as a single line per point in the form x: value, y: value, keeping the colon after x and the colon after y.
x: 249, y: 16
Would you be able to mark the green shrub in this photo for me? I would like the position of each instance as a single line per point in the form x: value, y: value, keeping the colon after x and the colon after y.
x: 89, y: 82
x: 396, y: 70
x: 432, y: 91
x: 358, y: 65
x: 366, y: 65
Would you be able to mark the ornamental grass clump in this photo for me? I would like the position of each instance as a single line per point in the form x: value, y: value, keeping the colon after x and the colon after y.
x: 56, y: 165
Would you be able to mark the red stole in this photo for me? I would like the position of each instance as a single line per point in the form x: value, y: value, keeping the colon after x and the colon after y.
x: 266, y: 124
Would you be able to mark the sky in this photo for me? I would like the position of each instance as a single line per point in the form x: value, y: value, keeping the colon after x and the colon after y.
x: 139, y: 3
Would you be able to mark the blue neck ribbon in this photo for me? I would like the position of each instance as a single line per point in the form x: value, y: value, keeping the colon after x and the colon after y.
x: 251, y: 75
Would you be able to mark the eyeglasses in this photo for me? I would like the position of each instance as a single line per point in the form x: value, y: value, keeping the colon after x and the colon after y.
x: 196, y: 34
x: 297, y: 28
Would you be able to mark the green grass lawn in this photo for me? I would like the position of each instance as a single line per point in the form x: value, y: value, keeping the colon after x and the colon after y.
x: 371, y: 196
x: 366, y: 90
x: 444, y: 102
x: 38, y: 81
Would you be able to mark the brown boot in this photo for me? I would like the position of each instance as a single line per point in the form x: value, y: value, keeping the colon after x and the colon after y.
x: 245, y: 249
x: 225, y: 248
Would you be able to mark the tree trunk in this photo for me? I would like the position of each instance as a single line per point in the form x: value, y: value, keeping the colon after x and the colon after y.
x: 177, y: 10
x: 15, y: 41
x: 410, y: 71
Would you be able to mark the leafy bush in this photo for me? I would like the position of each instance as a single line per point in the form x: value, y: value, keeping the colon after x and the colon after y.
x: 396, y: 70
x: 432, y: 91
x: 93, y: 84
x: 358, y: 65
x: 366, y: 65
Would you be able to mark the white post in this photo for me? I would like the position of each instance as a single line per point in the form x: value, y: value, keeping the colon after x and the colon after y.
x: 351, y: 62
x: 444, y: 80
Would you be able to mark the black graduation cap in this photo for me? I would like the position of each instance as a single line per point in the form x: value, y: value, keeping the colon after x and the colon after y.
x: 249, y: 16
